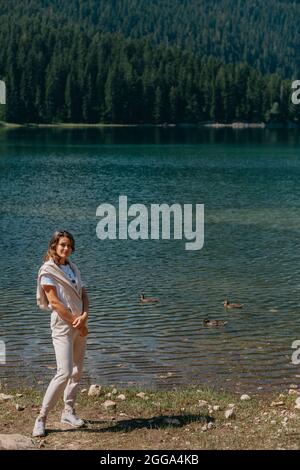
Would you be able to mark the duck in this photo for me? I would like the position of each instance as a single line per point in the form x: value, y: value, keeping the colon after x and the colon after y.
x: 214, y: 322
x: 227, y: 304
x: 148, y: 300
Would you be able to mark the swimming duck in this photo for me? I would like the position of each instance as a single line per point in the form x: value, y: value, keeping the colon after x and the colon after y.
x: 227, y: 304
x: 148, y: 300
x: 214, y: 322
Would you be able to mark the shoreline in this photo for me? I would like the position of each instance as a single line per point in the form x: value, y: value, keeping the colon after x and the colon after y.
x: 189, y: 418
x: 202, y: 125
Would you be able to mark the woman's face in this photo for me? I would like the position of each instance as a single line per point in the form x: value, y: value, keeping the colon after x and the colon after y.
x: 64, y: 248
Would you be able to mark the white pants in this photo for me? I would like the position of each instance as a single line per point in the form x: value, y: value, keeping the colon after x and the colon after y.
x: 69, y: 349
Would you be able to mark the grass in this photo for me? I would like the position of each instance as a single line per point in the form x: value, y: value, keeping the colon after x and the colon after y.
x: 174, y: 419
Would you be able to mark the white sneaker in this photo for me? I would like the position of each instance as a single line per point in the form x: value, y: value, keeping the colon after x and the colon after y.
x: 39, y: 428
x: 69, y: 417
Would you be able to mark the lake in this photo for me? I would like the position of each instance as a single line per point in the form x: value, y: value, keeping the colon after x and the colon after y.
x: 248, y: 181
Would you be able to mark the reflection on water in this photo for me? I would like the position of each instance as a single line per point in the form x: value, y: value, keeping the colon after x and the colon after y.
x: 249, y: 183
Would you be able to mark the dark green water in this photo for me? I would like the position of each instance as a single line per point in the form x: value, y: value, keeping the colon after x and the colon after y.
x: 249, y: 183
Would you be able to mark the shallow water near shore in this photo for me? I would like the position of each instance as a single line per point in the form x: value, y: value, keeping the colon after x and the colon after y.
x: 248, y: 181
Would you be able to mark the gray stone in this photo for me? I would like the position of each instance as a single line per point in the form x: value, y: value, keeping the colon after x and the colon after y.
x: 229, y: 414
x: 294, y: 386
x: 245, y: 397
x: 109, y: 405
x: 292, y: 391
x: 202, y: 403
x: 297, y: 403
x: 121, y: 397
x: 20, y: 407
x: 94, y: 390
x: 4, y: 397
x: 15, y: 442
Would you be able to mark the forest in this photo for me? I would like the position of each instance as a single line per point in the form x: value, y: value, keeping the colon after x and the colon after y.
x: 148, y: 62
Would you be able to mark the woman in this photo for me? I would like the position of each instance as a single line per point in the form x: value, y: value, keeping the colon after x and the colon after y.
x: 59, y: 289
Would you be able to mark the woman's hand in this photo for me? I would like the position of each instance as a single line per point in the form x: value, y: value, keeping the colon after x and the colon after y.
x: 79, y: 322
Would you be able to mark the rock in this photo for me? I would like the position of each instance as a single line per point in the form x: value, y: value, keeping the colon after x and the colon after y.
x: 294, y: 386
x: 15, y: 442
x: 292, y: 391
x: 229, y: 414
x: 207, y: 426
x: 84, y: 390
x: 141, y: 395
x: 19, y: 395
x: 245, y: 397
x: 4, y: 397
x: 202, y: 403
x: 108, y: 395
x: 297, y: 403
x: 231, y: 405
x: 121, y: 397
x: 20, y: 407
x: 114, y: 391
x: 109, y: 405
x: 216, y: 407
x: 277, y: 403
x: 94, y: 391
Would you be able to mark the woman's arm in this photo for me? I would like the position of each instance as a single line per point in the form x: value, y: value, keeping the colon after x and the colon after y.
x: 80, y: 321
x: 86, y: 304
x: 64, y: 312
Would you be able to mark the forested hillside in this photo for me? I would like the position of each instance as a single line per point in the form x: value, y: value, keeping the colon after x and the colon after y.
x: 60, y: 63
x: 265, y: 34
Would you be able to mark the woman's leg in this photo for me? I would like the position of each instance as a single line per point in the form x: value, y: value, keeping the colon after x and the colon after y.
x: 79, y: 346
x: 63, y: 346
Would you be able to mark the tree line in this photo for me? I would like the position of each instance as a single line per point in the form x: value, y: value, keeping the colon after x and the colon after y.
x: 73, y: 73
